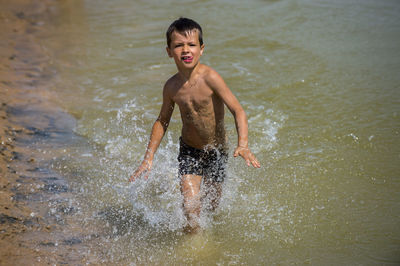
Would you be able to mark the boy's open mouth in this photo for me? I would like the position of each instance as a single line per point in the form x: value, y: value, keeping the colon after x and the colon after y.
x: 187, y: 59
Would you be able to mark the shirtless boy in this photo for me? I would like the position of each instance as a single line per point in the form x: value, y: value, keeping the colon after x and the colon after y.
x: 200, y: 94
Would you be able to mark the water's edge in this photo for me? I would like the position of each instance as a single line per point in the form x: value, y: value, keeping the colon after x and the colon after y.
x: 37, y: 224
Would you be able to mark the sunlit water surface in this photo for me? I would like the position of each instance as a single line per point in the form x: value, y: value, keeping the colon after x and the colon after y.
x: 320, y: 83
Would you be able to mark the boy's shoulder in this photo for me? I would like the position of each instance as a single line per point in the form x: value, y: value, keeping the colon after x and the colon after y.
x: 209, y: 75
x: 173, y: 82
x: 206, y: 70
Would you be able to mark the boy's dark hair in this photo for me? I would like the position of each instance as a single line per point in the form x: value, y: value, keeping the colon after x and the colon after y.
x: 183, y: 25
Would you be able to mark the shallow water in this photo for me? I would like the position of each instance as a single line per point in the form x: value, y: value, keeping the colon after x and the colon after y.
x: 319, y: 82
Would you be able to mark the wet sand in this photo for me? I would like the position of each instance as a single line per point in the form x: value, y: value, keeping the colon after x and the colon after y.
x: 36, y: 227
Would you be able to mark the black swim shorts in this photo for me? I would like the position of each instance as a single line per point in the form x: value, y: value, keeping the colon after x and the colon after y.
x: 207, y: 163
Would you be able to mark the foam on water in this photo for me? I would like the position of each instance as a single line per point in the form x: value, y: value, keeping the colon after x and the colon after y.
x: 267, y: 124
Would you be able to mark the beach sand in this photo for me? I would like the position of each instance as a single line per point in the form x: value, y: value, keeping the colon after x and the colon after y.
x: 30, y: 122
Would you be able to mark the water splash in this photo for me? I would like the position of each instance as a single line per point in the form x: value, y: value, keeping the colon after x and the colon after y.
x: 266, y: 123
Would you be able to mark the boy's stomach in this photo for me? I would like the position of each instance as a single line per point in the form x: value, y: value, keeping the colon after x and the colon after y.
x: 203, y: 136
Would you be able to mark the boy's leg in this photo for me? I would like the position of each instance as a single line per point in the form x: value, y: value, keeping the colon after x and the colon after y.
x: 190, y: 188
x: 212, y: 194
x: 214, y: 176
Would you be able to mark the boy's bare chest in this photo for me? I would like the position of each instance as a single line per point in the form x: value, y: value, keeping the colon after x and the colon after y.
x: 192, y: 99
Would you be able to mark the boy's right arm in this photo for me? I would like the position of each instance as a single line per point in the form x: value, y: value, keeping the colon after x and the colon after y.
x: 157, y: 132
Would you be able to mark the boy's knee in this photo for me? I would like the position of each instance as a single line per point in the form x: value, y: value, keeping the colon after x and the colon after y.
x: 192, y: 203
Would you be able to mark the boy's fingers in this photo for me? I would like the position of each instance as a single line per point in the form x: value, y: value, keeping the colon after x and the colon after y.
x: 138, y: 173
x: 248, y: 157
x: 251, y: 158
x: 254, y: 161
x: 133, y: 177
x: 256, y: 164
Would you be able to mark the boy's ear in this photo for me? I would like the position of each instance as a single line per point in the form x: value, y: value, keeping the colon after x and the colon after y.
x: 201, y: 49
x: 168, y: 51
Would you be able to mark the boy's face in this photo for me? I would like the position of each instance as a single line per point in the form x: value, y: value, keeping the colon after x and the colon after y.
x: 185, y: 49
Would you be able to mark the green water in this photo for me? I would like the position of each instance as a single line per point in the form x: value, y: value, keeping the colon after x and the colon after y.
x: 320, y: 83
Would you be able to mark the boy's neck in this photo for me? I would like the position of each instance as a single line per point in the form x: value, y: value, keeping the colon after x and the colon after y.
x: 186, y: 74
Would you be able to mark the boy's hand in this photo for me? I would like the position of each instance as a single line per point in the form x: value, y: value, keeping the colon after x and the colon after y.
x: 247, y: 156
x: 144, y: 168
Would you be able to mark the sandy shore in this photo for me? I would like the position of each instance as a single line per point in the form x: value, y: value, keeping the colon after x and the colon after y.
x: 29, y: 121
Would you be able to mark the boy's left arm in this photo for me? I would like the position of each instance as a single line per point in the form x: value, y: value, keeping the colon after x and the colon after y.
x: 216, y: 82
